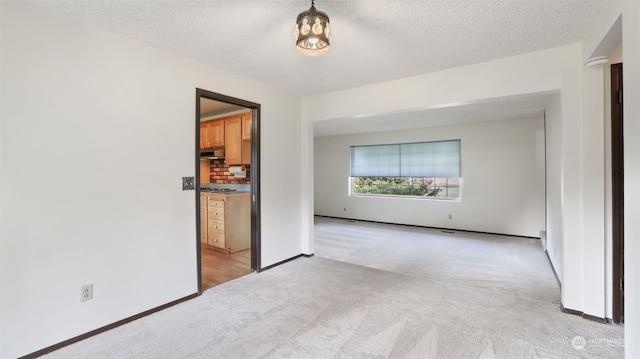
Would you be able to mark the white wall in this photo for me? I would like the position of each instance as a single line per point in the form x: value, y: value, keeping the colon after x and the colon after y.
x: 546, y: 70
x: 97, y: 131
x: 595, y: 42
x: 502, y: 171
x: 631, y: 41
x: 555, y: 230
x: 307, y: 204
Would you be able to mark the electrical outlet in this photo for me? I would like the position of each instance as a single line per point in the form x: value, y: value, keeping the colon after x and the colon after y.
x: 345, y: 209
x: 86, y: 292
x: 450, y: 216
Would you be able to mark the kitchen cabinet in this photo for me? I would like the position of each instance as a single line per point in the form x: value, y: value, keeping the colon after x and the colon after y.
x: 237, y: 139
x: 205, y: 171
x: 203, y: 219
x: 246, y: 152
x: 232, y: 140
x: 228, y: 220
x: 246, y: 139
x: 212, y: 133
x: 204, y: 136
x: 233, y: 132
x: 246, y: 126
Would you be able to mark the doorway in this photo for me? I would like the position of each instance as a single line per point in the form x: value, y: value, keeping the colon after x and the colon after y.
x: 617, y: 188
x: 219, y: 263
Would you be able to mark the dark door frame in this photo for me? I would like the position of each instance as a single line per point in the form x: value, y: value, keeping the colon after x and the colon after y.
x: 256, y: 250
x: 617, y: 190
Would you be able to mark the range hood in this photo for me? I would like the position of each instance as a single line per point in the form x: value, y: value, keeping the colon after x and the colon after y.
x: 212, y: 153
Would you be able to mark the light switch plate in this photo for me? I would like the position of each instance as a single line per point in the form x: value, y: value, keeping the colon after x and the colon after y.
x: 188, y: 183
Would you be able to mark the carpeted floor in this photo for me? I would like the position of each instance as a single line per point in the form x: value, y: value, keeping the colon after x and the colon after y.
x: 375, y: 291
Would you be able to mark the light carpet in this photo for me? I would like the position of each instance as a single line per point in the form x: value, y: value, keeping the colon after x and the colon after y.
x: 375, y: 291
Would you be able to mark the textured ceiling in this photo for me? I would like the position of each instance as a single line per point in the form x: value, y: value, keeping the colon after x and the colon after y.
x: 373, y: 41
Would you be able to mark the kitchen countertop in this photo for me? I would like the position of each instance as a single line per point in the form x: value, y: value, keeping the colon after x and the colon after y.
x: 225, y: 187
x: 223, y: 193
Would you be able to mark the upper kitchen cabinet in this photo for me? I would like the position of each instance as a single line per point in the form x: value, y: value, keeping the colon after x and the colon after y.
x: 246, y: 138
x: 232, y: 140
x: 235, y: 145
x: 212, y: 133
x: 246, y: 126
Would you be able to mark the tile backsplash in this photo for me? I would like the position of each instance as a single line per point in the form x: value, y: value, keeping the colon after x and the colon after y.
x: 220, y: 174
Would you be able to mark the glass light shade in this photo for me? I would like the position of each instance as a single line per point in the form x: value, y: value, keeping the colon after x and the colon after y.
x: 312, y: 32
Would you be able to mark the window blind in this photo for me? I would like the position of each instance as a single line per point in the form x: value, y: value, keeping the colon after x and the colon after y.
x: 430, y: 159
x: 422, y: 159
x: 375, y: 161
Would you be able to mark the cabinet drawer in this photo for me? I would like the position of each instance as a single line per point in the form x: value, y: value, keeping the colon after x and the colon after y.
x: 216, y: 227
x: 216, y: 240
x: 216, y: 202
x: 216, y: 213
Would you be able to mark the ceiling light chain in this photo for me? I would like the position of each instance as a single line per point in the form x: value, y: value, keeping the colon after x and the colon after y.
x: 312, y: 31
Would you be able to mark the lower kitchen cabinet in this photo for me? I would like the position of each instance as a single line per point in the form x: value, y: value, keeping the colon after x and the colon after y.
x: 203, y: 219
x: 228, y: 220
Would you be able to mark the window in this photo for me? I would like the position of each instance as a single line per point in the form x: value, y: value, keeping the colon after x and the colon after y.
x: 423, y: 169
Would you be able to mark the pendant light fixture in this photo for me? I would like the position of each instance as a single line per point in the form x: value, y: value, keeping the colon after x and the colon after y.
x: 312, y: 31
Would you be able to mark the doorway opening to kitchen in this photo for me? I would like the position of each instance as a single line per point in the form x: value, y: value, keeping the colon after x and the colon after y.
x: 228, y: 188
